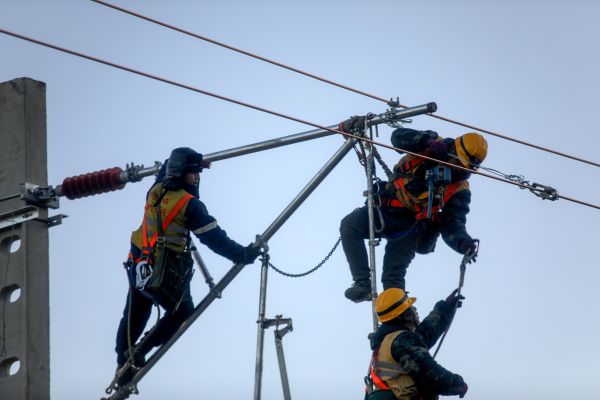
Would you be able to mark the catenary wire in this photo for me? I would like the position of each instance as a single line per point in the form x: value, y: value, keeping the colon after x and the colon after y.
x: 290, y: 68
x: 228, y: 99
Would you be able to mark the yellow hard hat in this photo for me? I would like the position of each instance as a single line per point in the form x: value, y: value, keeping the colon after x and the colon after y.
x: 391, y: 303
x: 471, y: 149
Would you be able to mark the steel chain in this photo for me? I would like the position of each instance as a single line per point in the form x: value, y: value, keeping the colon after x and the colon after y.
x: 319, y: 265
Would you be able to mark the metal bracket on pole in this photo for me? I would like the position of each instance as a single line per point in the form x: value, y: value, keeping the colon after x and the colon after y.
x: 54, y: 220
x: 45, y: 197
x: 18, y: 216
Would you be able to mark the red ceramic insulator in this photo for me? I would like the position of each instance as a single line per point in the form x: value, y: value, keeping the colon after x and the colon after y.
x: 93, y: 183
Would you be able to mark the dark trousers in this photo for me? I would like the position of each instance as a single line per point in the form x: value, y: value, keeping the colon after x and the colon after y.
x: 136, y: 315
x: 399, y: 252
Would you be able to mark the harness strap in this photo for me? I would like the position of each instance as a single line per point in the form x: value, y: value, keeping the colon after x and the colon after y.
x: 149, y: 245
x: 422, y: 213
x: 377, y: 381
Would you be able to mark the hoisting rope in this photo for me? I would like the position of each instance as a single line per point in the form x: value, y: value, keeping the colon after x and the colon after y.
x: 310, y: 271
x: 241, y: 103
x: 390, y: 102
x: 467, y: 258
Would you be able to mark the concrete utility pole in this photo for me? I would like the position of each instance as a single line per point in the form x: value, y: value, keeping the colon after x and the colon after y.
x: 24, y: 306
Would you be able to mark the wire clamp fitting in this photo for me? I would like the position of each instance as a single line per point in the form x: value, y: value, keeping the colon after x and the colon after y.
x: 543, y: 191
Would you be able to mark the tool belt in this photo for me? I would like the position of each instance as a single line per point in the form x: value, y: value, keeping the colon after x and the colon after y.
x: 168, y: 282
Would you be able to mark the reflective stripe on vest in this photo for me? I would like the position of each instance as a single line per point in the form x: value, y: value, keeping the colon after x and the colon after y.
x: 172, y: 208
x: 387, y: 374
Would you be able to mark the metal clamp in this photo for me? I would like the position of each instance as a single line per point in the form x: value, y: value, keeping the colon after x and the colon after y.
x: 543, y: 191
x: 41, y: 196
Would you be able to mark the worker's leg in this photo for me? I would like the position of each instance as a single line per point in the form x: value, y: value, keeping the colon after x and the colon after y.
x: 132, y: 323
x: 169, y: 324
x: 398, y: 255
x: 354, y: 229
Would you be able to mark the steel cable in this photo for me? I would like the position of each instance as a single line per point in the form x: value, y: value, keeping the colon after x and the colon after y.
x: 231, y: 100
x: 328, y: 81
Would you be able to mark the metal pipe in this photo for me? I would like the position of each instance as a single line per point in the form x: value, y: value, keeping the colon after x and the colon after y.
x: 260, y: 335
x: 134, y: 174
x: 269, y: 144
x: 115, y: 178
x: 310, y: 187
x: 236, y: 269
x: 285, y: 384
x: 315, y: 133
x: 372, y: 240
x: 202, y: 267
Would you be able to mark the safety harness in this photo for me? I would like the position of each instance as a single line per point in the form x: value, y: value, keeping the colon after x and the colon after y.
x: 144, y: 263
x: 421, y: 204
x: 148, y: 245
x: 387, y: 379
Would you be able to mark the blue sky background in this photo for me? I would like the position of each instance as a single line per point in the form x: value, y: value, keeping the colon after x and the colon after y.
x: 529, y: 326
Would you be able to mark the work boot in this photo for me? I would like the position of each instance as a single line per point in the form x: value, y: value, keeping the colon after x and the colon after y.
x: 359, y: 291
x: 126, y: 374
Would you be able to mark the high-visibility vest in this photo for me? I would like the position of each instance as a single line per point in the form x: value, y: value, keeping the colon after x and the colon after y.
x: 387, y: 374
x: 405, y: 172
x: 172, y: 206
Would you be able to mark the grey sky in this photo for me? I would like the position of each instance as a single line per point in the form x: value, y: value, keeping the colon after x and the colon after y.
x: 529, y: 326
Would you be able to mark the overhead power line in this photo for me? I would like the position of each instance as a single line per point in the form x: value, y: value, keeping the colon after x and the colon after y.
x: 282, y: 65
x: 244, y: 104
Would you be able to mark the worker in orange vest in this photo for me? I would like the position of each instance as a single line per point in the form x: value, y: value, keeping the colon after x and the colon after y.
x: 172, y: 212
x: 422, y: 200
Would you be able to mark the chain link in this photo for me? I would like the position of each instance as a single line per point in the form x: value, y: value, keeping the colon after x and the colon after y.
x: 386, y: 169
x: 319, y: 265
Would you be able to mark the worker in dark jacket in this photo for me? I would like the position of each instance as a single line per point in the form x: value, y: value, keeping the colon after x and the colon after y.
x: 401, y: 366
x: 422, y: 200
x: 172, y: 200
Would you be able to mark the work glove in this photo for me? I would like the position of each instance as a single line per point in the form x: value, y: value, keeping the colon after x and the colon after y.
x: 352, y: 124
x: 251, y: 253
x: 438, y: 148
x: 468, y: 246
x: 206, y: 164
x: 454, y: 300
x: 463, y: 390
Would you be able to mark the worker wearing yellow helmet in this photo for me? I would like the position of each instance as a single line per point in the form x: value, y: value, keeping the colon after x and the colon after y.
x: 422, y: 200
x: 401, y: 366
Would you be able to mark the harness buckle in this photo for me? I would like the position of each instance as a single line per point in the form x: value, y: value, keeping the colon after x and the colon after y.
x: 161, y: 241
